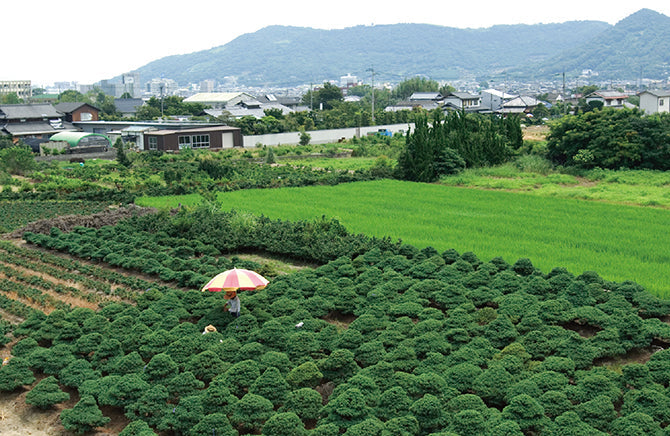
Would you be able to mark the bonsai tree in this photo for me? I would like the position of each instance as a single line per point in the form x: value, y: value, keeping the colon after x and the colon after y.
x: 206, y: 365
x: 215, y: 423
x: 369, y: 427
x: 658, y: 364
x: 77, y: 372
x: 492, y: 384
x: 84, y: 416
x: 462, y: 376
x: 185, y: 415
x: 570, y: 420
x: 393, y: 402
x: 348, y: 409
x: 598, y: 413
x: 468, y: 423
x: 301, y: 346
x: 284, y: 424
x: 24, y: 347
x: 107, y: 352
x: 506, y: 427
x: 15, y: 374
x: 277, y: 359
x: 402, y: 426
x: 339, y: 365
x: 183, y: 384
x: 272, y: 386
x: 123, y: 390
x: 251, y: 412
x: 217, y: 397
x: 239, y: 377
x: 51, y: 360
x: 46, y: 393
x: 304, y: 402
x: 130, y: 363
x: 555, y: 403
x: 304, y: 375
x: 429, y: 411
x: 648, y: 401
x: 527, y: 412
x: 87, y: 343
x: 636, y: 423
x: 160, y: 367
x: 137, y: 428
x: 150, y: 407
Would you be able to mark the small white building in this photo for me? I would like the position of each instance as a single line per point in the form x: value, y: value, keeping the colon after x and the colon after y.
x: 463, y: 100
x: 655, y: 101
x: 494, y: 99
x: 614, y: 99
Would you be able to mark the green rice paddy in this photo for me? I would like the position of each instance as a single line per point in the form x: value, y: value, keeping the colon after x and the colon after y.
x: 619, y: 242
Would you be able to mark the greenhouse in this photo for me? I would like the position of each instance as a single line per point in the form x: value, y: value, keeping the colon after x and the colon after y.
x: 83, y: 140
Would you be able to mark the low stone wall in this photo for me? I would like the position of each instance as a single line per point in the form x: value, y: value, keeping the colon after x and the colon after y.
x: 321, y: 136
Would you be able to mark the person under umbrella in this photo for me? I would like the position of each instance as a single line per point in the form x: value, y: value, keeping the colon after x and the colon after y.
x: 232, y: 303
x: 233, y: 281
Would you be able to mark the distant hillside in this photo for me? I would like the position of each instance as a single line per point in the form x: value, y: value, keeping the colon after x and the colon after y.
x: 637, y: 46
x: 286, y: 56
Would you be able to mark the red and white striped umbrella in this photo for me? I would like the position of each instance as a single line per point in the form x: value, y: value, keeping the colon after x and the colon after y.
x: 236, y: 279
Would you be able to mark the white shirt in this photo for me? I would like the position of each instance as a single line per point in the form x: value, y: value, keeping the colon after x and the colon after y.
x: 234, y: 304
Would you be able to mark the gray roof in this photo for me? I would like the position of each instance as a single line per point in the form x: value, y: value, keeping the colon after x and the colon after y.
x: 463, y: 95
x: 239, y: 110
x: 128, y: 105
x: 35, y: 128
x: 658, y: 92
x: 426, y: 96
x: 71, y: 106
x: 607, y: 94
x: 522, y: 101
x: 284, y: 100
x: 28, y: 111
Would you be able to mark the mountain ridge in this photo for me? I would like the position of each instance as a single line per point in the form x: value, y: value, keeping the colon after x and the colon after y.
x: 633, y: 47
x: 289, y: 55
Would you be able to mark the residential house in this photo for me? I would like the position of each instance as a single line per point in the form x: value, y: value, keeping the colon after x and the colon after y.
x: 463, y: 100
x: 523, y: 104
x: 614, y: 99
x: 32, y: 120
x: 253, y: 108
x: 212, y: 138
x: 424, y: 100
x: 492, y: 100
x: 78, y: 111
x: 291, y: 102
x: 655, y: 101
x: 426, y: 96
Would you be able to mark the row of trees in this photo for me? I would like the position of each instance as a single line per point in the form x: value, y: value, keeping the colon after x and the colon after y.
x: 459, y: 140
x: 611, y: 138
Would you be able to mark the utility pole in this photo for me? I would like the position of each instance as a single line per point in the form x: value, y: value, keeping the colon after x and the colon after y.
x: 565, y: 98
x: 161, y: 87
x: 373, y: 94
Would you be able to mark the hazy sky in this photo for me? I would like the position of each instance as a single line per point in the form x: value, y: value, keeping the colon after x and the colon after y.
x: 47, y: 41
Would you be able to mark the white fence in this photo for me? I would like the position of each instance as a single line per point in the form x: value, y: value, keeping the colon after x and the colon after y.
x: 321, y: 136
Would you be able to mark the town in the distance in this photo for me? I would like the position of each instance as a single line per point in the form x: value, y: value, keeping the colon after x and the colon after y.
x: 129, y: 108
